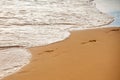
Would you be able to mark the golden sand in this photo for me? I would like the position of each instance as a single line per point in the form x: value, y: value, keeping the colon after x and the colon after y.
x: 86, y: 55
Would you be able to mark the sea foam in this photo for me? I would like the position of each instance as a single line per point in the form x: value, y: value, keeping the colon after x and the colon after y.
x: 12, y: 59
x: 30, y: 23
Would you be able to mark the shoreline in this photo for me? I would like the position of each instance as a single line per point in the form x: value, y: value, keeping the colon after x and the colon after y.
x: 19, y: 30
x: 49, y: 56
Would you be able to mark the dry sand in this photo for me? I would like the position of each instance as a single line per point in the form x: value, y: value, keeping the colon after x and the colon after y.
x: 86, y: 55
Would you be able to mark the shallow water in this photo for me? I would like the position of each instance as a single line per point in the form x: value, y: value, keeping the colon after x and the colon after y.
x: 108, y: 5
x: 12, y: 60
x: 116, y: 22
x: 111, y: 7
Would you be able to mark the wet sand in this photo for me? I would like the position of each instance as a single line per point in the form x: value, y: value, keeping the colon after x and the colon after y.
x: 85, y: 55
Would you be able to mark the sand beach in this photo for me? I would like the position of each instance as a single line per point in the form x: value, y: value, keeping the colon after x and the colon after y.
x: 85, y: 55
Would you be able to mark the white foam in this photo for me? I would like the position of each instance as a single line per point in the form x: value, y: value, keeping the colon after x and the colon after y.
x: 29, y: 36
x: 29, y: 23
x: 12, y: 60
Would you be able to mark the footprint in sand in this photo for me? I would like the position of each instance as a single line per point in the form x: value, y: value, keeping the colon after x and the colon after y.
x: 113, y: 30
x: 21, y: 72
x: 89, y: 41
x: 49, y: 51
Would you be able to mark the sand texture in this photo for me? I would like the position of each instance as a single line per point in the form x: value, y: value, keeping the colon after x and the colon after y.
x: 86, y: 55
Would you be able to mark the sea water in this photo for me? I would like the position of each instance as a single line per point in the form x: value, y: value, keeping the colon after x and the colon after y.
x: 111, y: 7
x: 116, y: 22
x: 30, y: 23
